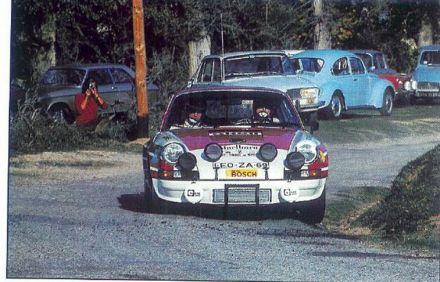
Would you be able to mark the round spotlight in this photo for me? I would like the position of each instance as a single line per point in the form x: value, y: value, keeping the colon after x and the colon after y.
x: 268, y: 152
x: 213, y: 152
x: 295, y: 160
x: 187, y: 161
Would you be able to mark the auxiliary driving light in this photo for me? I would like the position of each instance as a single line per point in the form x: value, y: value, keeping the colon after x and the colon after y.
x: 268, y: 152
x: 295, y: 160
x: 213, y: 152
x: 187, y: 161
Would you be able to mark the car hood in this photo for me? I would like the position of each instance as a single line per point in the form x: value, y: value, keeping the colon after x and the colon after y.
x: 279, y: 82
x: 428, y: 73
x: 59, y: 90
x: 195, y: 139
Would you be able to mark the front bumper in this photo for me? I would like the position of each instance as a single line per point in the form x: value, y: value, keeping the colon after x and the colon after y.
x: 306, y: 108
x: 427, y: 94
x: 239, y: 192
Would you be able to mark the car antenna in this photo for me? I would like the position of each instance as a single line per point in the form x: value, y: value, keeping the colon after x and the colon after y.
x: 221, y: 32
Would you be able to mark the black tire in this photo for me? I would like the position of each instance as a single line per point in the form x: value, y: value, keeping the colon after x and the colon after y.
x: 151, y: 200
x: 335, y: 108
x: 313, y: 211
x: 58, y: 113
x: 388, y: 103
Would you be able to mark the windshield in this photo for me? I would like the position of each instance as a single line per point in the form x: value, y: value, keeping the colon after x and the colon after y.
x: 430, y: 58
x: 256, y: 65
x: 63, y: 77
x: 232, y: 109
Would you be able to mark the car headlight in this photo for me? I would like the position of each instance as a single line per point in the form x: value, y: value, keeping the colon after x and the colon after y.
x: 268, y: 152
x: 295, y: 160
x: 309, y: 92
x: 213, y: 152
x: 407, y: 85
x: 414, y: 84
x: 172, y: 152
x: 308, y: 149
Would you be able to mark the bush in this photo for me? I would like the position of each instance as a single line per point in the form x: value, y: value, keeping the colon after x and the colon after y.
x: 412, y: 199
x: 31, y: 131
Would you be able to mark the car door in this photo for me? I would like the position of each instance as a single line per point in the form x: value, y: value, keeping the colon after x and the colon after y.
x: 124, y: 86
x: 343, y: 78
x: 361, y: 85
x: 105, y: 86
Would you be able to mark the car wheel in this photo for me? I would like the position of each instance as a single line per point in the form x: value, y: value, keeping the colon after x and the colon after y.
x: 151, y: 201
x: 313, y: 212
x: 387, y: 105
x: 61, y: 113
x: 335, y: 108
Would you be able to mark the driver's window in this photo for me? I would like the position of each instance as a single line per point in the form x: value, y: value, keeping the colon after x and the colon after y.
x: 340, y: 67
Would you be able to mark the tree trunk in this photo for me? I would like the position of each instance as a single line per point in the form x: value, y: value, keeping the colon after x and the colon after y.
x: 322, y: 39
x: 425, y: 34
x: 198, y: 50
x: 46, y: 57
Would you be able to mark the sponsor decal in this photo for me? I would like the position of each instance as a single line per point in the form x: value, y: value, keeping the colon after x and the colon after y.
x: 240, y: 150
x: 235, y: 133
x: 252, y: 172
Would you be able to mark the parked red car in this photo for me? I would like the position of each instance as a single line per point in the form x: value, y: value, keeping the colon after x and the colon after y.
x: 376, y: 62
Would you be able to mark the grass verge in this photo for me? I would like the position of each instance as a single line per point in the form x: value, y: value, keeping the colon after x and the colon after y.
x: 406, y: 215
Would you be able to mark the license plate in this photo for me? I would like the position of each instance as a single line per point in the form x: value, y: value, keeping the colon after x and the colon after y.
x: 244, y: 172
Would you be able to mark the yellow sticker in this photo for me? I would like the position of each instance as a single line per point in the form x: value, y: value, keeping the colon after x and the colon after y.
x: 249, y: 172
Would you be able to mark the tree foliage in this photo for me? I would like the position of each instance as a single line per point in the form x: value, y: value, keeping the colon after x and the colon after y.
x: 65, y: 31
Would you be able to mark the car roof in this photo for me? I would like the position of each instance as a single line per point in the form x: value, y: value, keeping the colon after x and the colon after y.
x: 245, y: 53
x: 365, y: 51
x: 435, y: 47
x: 87, y: 66
x: 326, y: 54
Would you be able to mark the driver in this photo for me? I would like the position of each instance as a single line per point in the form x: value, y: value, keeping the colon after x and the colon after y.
x: 194, y: 115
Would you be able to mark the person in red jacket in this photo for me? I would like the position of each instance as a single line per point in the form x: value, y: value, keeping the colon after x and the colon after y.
x: 87, y: 103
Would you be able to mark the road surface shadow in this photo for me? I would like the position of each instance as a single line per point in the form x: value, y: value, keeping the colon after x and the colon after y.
x: 368, y: 255
x: 135, y: 203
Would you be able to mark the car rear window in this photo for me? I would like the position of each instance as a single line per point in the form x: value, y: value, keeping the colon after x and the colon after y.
x: 63, y: 77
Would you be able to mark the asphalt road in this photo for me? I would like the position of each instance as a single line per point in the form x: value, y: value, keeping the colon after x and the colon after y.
x: 93, y: 227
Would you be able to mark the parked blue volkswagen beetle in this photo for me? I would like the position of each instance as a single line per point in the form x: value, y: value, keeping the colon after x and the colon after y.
x: 345, y: 84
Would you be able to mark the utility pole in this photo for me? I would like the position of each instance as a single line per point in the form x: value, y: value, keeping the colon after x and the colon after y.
x: 141, y: 68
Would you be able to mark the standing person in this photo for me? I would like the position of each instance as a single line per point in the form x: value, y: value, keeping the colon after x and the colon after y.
x: 87, y: 103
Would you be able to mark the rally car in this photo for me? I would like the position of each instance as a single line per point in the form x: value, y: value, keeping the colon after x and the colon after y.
x: 248, y: 147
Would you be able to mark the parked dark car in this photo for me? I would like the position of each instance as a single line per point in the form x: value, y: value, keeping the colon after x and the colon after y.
x: 376, y: 62
x: 59, y: 85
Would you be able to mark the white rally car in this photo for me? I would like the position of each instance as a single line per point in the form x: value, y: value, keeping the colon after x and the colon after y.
x: 246, y: 147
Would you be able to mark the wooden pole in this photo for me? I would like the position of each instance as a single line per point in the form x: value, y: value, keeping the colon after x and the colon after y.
x: 141, y: 68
